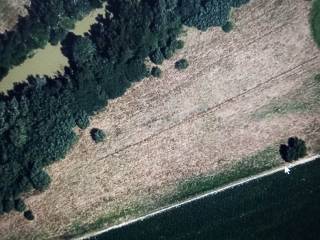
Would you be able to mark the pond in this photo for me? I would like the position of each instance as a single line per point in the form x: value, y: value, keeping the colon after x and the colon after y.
x: 49, y: 60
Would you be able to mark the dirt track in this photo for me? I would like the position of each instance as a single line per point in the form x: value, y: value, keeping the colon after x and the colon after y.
x: 186, y: 123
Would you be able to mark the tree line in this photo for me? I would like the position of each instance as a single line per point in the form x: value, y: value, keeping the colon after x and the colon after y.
x: 37, y: 117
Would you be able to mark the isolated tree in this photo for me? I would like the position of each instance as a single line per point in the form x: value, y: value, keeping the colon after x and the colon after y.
x: 28, y: 215
x: 97, y: 135
x: 181, y: 64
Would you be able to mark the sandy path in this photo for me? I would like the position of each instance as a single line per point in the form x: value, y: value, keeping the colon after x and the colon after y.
x: 186, y: 123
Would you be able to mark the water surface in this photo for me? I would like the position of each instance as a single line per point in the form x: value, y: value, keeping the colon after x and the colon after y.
x: 46, y: 61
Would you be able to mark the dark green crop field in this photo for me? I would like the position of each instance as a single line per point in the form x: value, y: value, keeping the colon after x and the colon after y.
x: 278, y: 206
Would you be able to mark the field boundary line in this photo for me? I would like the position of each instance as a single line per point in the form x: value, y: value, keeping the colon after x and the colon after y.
x: 202, y: 196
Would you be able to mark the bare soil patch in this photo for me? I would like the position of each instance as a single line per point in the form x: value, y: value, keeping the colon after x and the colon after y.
x: 187, y: 123
x: 10, y: 10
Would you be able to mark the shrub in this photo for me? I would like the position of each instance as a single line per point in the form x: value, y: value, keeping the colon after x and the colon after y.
x: 181, y: 64
x: 28, y: 215
x: 295, y: 149
x: 19, y: 205
x: 156, y: 72
x: 227, y: 27
x: 97, y: 135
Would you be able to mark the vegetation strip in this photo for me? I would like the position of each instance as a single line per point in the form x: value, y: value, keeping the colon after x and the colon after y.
x: 202, y: 196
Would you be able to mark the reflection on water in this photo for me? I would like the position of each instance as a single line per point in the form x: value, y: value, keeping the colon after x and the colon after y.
x: 46, y: 61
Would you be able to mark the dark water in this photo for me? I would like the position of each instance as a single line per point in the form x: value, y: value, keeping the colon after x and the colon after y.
x: 279, y: 206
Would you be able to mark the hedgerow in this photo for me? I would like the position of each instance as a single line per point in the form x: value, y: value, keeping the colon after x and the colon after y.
x: 37, y: 118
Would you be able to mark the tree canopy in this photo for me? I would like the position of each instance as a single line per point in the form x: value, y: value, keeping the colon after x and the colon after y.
x: 37, y: 118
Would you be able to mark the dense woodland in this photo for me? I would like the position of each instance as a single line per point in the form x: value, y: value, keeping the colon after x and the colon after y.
x: 47, y: 21
x: 38, y: 117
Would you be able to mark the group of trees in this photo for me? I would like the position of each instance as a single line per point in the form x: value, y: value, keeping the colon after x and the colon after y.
x: 37, y: 118
x: 47, y: 21
x: 295, y: 149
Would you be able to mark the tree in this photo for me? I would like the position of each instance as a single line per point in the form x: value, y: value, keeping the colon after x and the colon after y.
x: 156, y: 56
x: 19, y: 205
x: 3, y: 121
x: 28, y: 215
x: 3, y: 72
x: 295, y: 149
x: 82, y: 120
x: 40, y: 179
x: 179, y: 44
x: 181, y: 64
x: 227, y: 27
x: 156, y: 72
x: 97, y: 135
x: 18, y: 134
x: 8, y: 204
x: 12, y: 110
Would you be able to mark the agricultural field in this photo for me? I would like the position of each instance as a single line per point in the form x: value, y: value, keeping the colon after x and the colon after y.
x: 10, y: 10
x: 243, y: 93
x: 277, y: 206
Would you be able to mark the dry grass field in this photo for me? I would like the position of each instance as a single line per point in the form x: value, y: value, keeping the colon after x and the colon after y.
x: 218, y: 111
x: 10, y: 10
